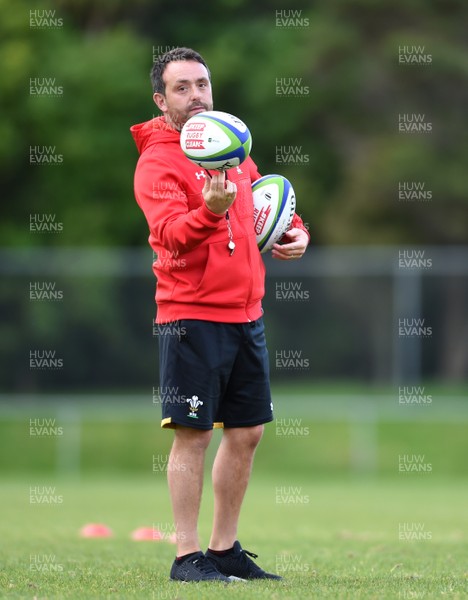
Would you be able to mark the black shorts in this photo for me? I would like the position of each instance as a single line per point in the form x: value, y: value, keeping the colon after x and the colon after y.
x: 214, y: 374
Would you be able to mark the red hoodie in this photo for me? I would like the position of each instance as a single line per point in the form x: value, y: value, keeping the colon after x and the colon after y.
x: 197, y: 276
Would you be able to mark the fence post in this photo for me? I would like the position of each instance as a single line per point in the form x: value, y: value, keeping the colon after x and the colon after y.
x: 407, y: 304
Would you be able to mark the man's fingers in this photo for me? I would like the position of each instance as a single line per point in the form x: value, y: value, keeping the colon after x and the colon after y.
x: 220, y: 185
x: 219, y: 193
x: 207, y: 185
x: 231, y: 187
x: 217, y: 181
x: 288, y: 248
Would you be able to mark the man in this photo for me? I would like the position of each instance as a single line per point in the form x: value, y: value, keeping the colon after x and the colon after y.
x: 211, y: 337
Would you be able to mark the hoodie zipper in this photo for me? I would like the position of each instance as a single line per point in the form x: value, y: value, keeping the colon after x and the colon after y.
x: 249, y: 296
x: 232, y: 245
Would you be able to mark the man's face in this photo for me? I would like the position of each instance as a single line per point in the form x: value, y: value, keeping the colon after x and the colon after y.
x: 188, y: 92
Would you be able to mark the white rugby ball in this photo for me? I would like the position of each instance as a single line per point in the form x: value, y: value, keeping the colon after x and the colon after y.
x: 215, y: 140
x: 274, y: 206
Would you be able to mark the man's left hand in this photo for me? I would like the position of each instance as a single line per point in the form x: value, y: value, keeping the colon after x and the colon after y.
x: 294, y: 245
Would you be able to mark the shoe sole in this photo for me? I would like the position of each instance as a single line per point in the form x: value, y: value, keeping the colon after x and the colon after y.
x: 200, y: 581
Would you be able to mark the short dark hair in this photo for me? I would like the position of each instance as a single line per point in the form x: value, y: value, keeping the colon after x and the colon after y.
x: 173, y: 55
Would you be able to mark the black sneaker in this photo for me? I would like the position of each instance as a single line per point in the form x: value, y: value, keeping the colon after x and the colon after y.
x: 238, y: 564
x: 197, y: 568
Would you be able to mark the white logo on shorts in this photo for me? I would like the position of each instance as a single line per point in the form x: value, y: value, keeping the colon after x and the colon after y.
x: 194, y: 404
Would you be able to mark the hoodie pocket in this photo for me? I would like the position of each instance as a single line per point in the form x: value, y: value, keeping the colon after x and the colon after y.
x: 227, y: 279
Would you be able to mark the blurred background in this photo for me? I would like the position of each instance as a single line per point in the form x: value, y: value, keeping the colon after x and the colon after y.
x: 362, y: 105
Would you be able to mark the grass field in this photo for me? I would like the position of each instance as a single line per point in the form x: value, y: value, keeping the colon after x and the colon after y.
x: 327, y: 506
x: 336, y: 538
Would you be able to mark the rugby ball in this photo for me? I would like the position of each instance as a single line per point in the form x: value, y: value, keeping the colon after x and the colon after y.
x: 274, y: 206
x: 215, y: 140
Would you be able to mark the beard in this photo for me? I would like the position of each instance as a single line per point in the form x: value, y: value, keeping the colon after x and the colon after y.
x: 177, y: 118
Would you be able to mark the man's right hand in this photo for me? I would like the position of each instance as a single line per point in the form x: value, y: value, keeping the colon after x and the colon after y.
x: 219, y: 193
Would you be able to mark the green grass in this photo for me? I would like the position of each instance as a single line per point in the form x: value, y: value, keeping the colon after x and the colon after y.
x: 340, y: 541
x: 324, y: 449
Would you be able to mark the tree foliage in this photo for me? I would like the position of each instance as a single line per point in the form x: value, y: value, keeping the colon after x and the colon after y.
x: 344, y: 130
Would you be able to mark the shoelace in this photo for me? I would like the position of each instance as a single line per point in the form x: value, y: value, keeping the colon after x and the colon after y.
x: 204, y: 565
x: 249, y: 564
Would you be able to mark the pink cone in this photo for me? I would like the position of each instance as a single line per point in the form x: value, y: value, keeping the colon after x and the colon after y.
x: 92, y: 530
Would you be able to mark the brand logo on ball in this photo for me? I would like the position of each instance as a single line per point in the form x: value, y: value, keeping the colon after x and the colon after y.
x: 194, y: 145
x: 274, y: 206
x: 215, y: 140
x: 191, y: 126
x: 260, y: 218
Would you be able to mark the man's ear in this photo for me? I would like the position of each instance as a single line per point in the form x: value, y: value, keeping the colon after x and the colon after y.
x: 160, y: 101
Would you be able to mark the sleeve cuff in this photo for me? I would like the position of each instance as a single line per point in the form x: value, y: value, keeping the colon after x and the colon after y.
x: 209, y: 218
